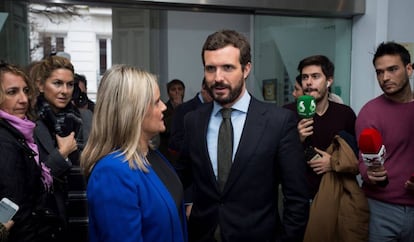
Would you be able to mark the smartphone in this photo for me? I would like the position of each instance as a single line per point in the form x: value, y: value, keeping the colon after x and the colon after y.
x: 7, y: 209
x: 311, y: 154
x: 317, y: 156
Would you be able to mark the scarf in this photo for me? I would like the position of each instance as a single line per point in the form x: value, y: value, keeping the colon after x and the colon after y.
x: 61, y: 123
x: 26, y: 127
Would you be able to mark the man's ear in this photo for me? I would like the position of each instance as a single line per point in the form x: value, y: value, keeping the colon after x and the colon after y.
x: 246, y: 70
x: 329, y: 82
x: 410, y: 69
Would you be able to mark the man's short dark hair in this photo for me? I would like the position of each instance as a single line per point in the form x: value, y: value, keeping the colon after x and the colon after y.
x: 223, y: 38
x: 392, y: 48
x: 326, y: 65
x: 80, y: 78
x: 299, y: 79
x: 174, y: 82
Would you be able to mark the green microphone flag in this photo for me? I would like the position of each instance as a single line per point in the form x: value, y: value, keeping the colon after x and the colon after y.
x: 306, y: 106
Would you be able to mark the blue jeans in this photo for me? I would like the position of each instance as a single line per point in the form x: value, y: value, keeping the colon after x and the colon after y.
x: 390, y: 222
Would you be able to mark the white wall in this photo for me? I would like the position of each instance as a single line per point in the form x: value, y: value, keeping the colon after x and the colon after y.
x: 400, y: 24
x: 368, y: 31
x: 401, y: 18
x: 384, y: 20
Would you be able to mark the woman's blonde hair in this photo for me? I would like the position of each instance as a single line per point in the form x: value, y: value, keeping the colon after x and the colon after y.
x: 124, y: 96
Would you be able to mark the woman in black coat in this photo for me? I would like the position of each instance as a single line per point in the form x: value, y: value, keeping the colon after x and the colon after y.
x: 23, y: 177
x: 61, y: 132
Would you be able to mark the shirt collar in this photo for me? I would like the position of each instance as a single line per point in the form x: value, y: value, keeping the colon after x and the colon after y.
x: 200, y: 97
x: 241, y: 105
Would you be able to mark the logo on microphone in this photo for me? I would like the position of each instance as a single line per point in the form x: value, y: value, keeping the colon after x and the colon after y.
x: 371, y: 146
x: 375, y: 160
x: 306, y: 106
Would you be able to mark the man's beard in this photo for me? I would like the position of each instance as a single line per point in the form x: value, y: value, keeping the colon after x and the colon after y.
x: 398, y: 91
x: 233, y: 94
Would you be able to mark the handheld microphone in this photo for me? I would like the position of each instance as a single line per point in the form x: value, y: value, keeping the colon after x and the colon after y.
x: 306, y: 106
x: 373, y: 151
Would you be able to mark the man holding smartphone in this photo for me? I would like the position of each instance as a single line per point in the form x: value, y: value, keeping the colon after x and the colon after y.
x: 4, y: 230
x: 333, y: 164
x: 330, y: 118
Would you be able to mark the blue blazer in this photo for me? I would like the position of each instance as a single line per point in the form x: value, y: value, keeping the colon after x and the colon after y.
x: 128, y: 205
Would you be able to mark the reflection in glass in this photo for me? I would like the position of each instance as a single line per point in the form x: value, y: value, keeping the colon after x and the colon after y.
x: 281, y: 42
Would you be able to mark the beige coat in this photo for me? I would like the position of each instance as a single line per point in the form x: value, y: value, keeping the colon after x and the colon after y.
x: 339, y: 212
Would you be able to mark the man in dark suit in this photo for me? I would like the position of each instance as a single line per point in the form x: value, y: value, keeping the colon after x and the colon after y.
x: 177, y: 124
x: 266, y: 151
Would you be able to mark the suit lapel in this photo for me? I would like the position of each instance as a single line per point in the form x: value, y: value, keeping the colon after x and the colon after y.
x: 205, y: 113
x: 253, y: 129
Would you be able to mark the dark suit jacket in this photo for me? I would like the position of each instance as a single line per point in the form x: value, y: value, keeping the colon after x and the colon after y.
x: 269, y: 152
x: 177, y: 125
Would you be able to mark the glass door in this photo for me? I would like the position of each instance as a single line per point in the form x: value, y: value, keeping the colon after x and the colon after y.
x: 280, y: 42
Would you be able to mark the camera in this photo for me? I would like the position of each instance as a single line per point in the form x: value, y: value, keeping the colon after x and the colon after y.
x: 79, y: 98
x: 62, y: 123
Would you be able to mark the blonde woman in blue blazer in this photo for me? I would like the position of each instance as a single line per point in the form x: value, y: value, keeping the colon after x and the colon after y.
x: 133, y: 192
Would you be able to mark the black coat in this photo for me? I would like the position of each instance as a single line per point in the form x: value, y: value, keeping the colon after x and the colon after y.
x: 67, y: 179
x: 177, y: 125
x: 19, y: 181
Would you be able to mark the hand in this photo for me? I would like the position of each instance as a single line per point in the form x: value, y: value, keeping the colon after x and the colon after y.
x: 376, y: 174
x: 66, y: 145
x: 409, y: 185
x: 9, y: 224
x: 188, y: 208
x: 321, y: 164
x: 305, y: 128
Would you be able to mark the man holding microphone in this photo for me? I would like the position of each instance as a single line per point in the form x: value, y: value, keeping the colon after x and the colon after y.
x: 317, y: 73
x: 388, y: 187
x: 339, y: 209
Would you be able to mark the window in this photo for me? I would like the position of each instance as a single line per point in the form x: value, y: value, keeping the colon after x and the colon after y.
x: 103, y: 56
x: 52, y: 45
x: 103, y: 65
